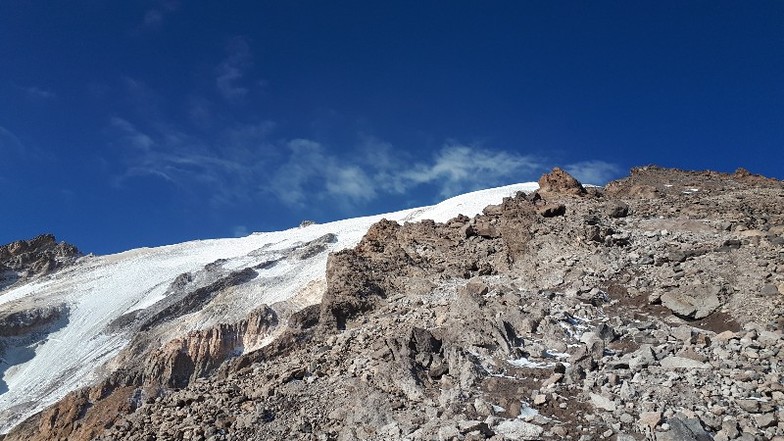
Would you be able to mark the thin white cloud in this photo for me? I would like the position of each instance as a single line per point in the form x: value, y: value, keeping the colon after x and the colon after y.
x: 200, y: 111
x: 146, y: 170
x: 237, y: 136
x: 231, y: 70
x: 141, y: 97
x: 236, y: 166
x: 458, y: 168
x: 10, y: 143
x: 311, y: 173
x: 243, y: 163
x: 154, y: 17
x: 132, y: 136
x: 222, y: 171
x: 37, y: 93
x: 594, y: 172
x: 350, y: 182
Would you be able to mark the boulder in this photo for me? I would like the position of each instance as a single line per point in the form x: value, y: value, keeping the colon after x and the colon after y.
x: 559, y: 182
x: 617, y: 209
x: 694, y: 303
x: 519, y: 430
x: 675, y: 362
x: 603, y: 403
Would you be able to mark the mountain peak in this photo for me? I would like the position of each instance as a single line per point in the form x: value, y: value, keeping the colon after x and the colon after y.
x: 24, y: 259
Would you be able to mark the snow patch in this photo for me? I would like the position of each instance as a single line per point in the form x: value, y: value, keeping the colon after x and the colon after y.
x: 524, y: 362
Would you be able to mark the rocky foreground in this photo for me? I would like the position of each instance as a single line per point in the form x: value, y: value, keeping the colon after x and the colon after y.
x: 648, y: 309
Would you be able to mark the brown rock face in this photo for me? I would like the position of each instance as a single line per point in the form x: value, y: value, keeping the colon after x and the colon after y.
x: 182, y: 360
x: 559, y: 182
x: 81, y: 415
x: 393, y: 257
x: 28, y: 258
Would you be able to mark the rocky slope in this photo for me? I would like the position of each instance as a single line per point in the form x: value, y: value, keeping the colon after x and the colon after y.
x: 649, y: 309
x: 94, y: 333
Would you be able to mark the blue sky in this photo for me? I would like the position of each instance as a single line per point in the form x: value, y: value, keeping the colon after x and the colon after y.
x: 141, y: 123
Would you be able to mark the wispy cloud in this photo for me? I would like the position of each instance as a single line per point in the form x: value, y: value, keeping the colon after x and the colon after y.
x: 11, y: 150
x: 130, y: 135
x: 200, y: 111
x: 311, y: 173
x: 217, y: 158
x: 231, y: 70
x: 245, y: 163
x: 154, y: 17
x: 21, y: 147
x: 36, y: 93
x: 10, y: 143
x: 594, y: 172
x: 144, y: 100
x: 223, y: 170
x: 457, y: 168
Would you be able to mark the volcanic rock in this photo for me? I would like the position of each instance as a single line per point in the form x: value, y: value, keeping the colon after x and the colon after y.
x: 559, y: 182
x: 24, y: 259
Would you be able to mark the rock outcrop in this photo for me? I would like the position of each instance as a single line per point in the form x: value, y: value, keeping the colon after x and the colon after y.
x: 559, y: 182
x: 25, y: 320
x: 182, y: 360
x: 24, y: 259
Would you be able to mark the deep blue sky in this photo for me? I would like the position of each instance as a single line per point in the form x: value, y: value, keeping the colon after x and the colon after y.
x: 141, y: 123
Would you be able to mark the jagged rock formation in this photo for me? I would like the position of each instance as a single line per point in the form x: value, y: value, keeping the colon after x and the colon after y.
x: 24, y: 259
x: 651, y: 309
x: 559, y: 182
